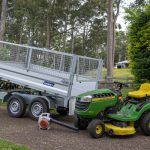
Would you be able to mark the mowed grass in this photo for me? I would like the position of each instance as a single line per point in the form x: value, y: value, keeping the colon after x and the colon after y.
x: 125, y: 72
x: 120, y: 74
x: 6, y: 145
x: 2, y: 104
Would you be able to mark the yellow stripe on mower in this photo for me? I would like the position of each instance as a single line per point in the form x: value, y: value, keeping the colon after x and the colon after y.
x: 115, y: 130
x: 103, y: 98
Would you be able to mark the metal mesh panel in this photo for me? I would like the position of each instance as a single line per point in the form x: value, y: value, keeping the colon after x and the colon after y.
x: 13, y: 55
x: 46, y: 61
x: 87, y: 67
x: 51, y: 63
x: 66, y: 63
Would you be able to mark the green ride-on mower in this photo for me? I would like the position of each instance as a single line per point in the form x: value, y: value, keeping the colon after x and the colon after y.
x: 104, y: 111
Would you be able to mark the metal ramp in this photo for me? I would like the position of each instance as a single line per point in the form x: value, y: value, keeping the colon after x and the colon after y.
x: 54, y: 72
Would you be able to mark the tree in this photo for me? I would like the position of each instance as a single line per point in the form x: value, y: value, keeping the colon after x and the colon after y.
x: 74, y: 26
x: 115, y: 17
x: 139, y: 42
x: 139, y: 3
x: 3, y: 18
x: 110, y: 41
x: 121, y: 46
x: 112, y: 12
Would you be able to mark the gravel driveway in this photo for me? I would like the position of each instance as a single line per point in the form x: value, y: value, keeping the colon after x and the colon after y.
x: 25, y: 131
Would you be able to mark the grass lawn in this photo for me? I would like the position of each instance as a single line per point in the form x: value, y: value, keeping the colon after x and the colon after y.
x: 124, y: 72
x: 6, y: 145
x: 2, y: 104
x: 119, y: 73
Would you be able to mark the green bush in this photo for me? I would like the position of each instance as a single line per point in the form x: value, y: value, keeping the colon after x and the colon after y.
x: 139, y: 43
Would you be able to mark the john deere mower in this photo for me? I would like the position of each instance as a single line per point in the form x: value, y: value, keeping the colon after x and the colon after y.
x: 103, y: 111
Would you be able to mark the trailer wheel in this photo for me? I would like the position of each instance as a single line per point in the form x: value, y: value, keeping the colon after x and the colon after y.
x: 96, y: 128
x: 37, y: 107
x: 145, y: 124
x: 80, y: 123
x: 16, y: 106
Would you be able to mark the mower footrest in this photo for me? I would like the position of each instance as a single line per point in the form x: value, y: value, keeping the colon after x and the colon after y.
x: 115, y: 130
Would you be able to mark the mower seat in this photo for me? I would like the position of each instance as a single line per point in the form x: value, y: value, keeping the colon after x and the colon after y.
x: 144, y: 91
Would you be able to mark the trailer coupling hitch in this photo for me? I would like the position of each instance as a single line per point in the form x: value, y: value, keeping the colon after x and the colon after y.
x: 45, y: 121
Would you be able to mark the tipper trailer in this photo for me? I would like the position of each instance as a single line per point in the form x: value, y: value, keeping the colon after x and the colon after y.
x: 56, y: 76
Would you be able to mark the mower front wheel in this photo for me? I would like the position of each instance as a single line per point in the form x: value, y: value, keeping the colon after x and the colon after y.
x: 145, y: 124
x: 80, y: 123
x: 96, y: 128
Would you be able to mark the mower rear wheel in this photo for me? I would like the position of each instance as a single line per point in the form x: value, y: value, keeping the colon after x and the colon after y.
x: 96, y: 128
x: 16, y: 106
x: 145, y: 124
x: 80, y: 123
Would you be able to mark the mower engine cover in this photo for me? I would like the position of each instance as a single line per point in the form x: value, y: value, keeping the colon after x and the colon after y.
x: 90, y: 104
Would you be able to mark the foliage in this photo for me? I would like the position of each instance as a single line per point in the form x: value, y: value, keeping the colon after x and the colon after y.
x: 138, y: 3
x: 139, y: 42
x: 74, y: 26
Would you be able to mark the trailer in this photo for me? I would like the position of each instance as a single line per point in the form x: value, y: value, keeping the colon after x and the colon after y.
x: 57, y: 78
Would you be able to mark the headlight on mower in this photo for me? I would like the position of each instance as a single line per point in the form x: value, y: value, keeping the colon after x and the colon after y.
x: 86, y: 99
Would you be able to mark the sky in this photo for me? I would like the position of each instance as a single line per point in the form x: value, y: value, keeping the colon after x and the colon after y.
x: 121, y: 19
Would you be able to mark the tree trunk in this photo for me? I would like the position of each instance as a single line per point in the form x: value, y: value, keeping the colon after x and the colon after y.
x: 110, y: 41
x: 83, y: 40
x: 72, y: 36
x: 3, y: 19
x: 50, y: 20
x: 48, y: 33
x: 115, y: 16
x: 114, y: 41
x: 65, y: 34
x: 21, y: 31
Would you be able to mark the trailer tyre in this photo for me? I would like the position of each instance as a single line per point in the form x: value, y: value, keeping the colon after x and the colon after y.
x: 37, y: 107
x: 96, y: 128
x: 16, y: 106
x: 145, y: 124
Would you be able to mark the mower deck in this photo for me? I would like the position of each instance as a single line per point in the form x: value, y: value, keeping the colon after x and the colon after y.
x: 115, y: 130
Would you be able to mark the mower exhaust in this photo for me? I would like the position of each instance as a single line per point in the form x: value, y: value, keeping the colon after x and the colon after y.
x: 45, y: 121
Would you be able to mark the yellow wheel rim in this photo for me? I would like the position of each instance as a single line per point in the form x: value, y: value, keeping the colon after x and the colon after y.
x: 99, y: 129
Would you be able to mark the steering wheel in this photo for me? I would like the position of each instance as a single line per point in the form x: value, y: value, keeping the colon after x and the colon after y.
x: 119, y: 85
